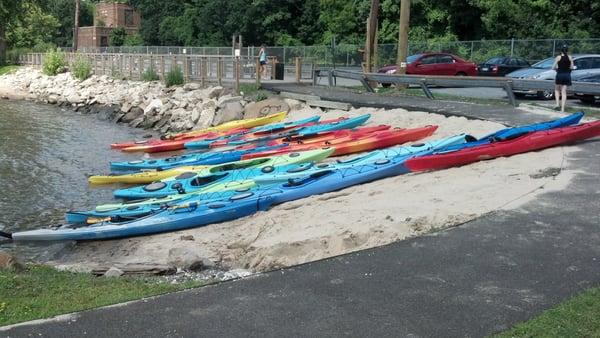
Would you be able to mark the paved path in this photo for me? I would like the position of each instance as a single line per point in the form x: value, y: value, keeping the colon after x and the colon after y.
x: 504, y: 113
x: 473, y: 280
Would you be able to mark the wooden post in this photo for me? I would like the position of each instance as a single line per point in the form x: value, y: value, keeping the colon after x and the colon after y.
x: 298, y: 70
x: 202, y: 71
x: 103, y: 65
x: 372, y: 23
x: 403, y: 36
x: 273, y: 68
x: 162, y: 67
x: 76, y: 26
x: 186, y: 68
x: 237, y: 74
x: 220, y: 70
x: 140, y: 67
x: 130, y: 66
x: 258, y: 74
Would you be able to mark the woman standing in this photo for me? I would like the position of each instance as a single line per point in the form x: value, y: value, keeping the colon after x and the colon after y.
x: 262, y: 58
x: 563, y: 64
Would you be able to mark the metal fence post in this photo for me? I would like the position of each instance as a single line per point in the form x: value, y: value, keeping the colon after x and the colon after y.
x: 553, y: 47
x: 512, y: 47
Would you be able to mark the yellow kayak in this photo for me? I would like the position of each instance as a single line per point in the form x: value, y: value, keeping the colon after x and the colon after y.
x: 248, y: 123
x: 154, y: 175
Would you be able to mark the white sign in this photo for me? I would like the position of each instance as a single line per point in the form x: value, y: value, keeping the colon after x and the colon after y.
x: 238, y: 52
x: 402, y: 64
x: 184, y: 51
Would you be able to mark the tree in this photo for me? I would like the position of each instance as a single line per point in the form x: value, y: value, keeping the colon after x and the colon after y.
x: 117, y: 36
x: 133, y: 40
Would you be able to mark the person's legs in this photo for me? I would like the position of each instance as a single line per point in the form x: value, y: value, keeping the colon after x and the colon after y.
x: 557, y: 95
x: 564, y: 98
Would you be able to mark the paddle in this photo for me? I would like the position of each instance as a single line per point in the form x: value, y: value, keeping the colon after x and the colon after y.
x: 6, y: 234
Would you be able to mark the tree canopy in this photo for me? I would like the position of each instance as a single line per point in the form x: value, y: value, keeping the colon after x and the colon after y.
x: 27, y: 23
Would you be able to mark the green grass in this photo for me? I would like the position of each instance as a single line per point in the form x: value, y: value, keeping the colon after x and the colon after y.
x: 253, y: 92
x: 42, y: 292
x: 7, y: 69
x: 589, y: 111
x: 577, y: 317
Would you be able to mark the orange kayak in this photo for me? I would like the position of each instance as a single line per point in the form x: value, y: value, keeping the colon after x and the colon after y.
x: 350, y: 144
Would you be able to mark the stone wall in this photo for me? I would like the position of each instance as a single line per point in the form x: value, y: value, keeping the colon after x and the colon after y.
x: 148, y: 105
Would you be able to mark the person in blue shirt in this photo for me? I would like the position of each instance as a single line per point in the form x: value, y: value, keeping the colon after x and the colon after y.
x: 262, y: 58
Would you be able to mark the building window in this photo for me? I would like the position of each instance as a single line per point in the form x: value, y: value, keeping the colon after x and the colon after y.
x: 128, y: 17
x: 104, y: 41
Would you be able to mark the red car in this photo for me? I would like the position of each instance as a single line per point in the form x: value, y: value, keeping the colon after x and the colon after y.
x: 435, y: 64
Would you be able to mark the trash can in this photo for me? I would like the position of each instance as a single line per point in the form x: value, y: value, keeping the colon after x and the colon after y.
x: 279, y: 71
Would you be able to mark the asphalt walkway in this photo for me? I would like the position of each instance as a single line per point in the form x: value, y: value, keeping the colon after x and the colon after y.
x: 473, y: 280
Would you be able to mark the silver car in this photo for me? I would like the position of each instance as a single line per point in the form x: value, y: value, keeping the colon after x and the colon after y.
x: 543, y: 71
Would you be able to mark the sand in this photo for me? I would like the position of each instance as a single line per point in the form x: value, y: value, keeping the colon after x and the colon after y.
x: 356, y: 218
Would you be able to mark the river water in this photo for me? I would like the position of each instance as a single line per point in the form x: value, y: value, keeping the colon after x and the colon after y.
x: 46, y: 155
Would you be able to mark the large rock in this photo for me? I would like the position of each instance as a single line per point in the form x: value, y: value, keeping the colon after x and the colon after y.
x: 223, y: 100
x: 206, y: 118
x: 107, y: 112
x: 191, y: 86
x: 126, y: 107
x: 265, y: 107
x: 214, y: 92
x: 137, y: 122
x: 150, y: 121
x: 229, y: 112
x: 133, y: 114
x: 155, y: 104
x: 8, y: 261
x: 186, y: 259
x: 164, y: 121
x: 113, y: 272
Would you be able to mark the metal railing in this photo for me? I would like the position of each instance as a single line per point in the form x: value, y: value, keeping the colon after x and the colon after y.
x: 425, y: 81
x: 351, y: 55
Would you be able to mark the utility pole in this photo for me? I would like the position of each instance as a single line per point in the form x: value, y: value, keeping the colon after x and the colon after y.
x: 76, y: 26
x: 403, y: 36
x: 371, y: 41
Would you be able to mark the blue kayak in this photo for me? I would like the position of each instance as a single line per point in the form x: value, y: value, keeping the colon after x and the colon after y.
x: 185, y: 216
x: 417, y: 149
x: 206, y: 158
x: 192, y: 214
x: 303, y: 131
x: 137, y: 209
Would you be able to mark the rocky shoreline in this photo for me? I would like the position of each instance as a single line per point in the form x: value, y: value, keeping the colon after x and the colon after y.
x: 147, y: 105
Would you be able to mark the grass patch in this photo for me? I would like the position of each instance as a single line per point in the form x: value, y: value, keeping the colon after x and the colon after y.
x: 42, y: 292
x: 253, y: 92
x: 589, y: 111
x: 8, y: 69
x: 577, y: 317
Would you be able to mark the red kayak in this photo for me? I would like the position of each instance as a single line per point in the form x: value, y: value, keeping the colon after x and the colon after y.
x: 152, y: 142
x: 529, y: 142
x: 157, y: 146
x: 355, y: 143
x: 329, y: 136
x: 267, y: 135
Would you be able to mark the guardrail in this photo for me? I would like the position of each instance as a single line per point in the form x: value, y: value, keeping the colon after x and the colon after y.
x: 424, y: 81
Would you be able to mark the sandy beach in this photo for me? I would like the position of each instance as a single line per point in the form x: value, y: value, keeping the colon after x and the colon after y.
x: 356, y: 218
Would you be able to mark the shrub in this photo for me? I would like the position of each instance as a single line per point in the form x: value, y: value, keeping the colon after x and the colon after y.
x: 133, y: 40
x: 174, y: 77
x: 54, y: 63
x: 117, y: 37
x: 81, y: 68
x: 150, y: 75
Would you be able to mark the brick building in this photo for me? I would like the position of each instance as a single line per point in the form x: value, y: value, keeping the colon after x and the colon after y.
x: 107, y: 17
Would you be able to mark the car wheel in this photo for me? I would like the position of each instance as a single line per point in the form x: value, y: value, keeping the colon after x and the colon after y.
x: 520, y: 95
x: 545, y: 95
x: 461, y: 74
x: 589, y: 99
x: 385, y: 85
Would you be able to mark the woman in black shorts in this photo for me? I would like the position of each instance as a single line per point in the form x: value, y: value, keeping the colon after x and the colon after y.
x: 563, y: 64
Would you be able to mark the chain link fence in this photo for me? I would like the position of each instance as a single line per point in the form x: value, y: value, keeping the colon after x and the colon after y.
x: 351, y: 55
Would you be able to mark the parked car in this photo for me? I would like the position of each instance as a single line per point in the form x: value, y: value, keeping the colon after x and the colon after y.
x: 434, y: 64
x: 543, y: 71
x: 594, y: 77
x: 501, y: 65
